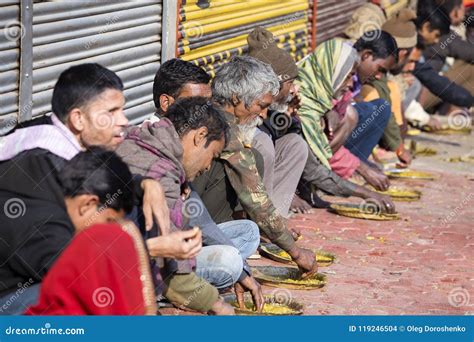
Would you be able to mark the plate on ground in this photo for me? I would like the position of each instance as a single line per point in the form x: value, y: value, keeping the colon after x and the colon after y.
x: 275, y: 305
x: 287, y: 277
x: 274, y: 252
x: 402, y: 194
x: 409, y: 174
x: 356, y: 211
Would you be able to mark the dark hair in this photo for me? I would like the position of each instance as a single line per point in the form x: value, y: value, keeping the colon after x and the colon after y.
x: 380, y: 43
x: 194, y: 112
x: 173, y: 75
x: 79, y: 85
x: 436, y: 16
x: 450, y: 5
x: 102, y: 173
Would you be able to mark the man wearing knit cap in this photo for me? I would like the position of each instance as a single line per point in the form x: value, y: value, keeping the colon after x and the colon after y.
x: 282, y: 129
x: 403, y: 29
x: 284, y: 159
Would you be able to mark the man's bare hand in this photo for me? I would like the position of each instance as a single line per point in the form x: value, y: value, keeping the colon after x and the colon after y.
x: 179, y: 245
x: 155, y: 206
x: 305, y: 259
x: 249, y: 284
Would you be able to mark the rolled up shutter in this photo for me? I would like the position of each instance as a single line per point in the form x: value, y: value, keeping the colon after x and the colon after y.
x: 210, y: 32
x: 332, y: 16
x: 10, y: 33
x: 122, y: 36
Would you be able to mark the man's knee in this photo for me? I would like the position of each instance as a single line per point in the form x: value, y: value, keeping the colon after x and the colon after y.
x: 222, y: 265
x: 251, y: 234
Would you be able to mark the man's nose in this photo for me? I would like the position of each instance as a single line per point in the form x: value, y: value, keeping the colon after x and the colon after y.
x: 121, y: 119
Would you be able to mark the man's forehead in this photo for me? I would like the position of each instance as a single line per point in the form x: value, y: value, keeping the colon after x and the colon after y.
x: 195, y: 89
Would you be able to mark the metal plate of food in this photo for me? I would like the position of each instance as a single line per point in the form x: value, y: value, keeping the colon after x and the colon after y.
x: 287, y: 277
x: 402, y: 194
x: 274, y: 252
x: 409, y: 174
x: 275, y: 305
x: 446, y: 130
x: 357, y: 211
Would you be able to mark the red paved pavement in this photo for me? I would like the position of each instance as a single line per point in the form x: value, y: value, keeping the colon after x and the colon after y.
x: 422, y: 264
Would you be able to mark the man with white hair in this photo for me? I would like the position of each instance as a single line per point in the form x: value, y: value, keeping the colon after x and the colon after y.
x: 245, y: 88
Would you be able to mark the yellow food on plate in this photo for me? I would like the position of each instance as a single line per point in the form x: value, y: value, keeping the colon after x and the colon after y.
x: 401, y: 194
x: 355, y: 211
x: 274, y: 252
x: 410, y: 174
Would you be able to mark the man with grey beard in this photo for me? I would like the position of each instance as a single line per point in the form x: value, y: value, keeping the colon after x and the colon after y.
x: 285, y: 158
x: 280, y: 140
x: 245, y: 88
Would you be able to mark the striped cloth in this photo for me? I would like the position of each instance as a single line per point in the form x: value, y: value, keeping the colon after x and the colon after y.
x: 319, y: 77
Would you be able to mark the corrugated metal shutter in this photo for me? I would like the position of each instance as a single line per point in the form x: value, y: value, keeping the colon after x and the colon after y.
x: 123, y: 36
x: 210, y: 32
x: 10, y: 32
x: 332, y: 17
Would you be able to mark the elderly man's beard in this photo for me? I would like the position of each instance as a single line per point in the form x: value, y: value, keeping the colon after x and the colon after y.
x: 281, y: 106
x: 248, y: 129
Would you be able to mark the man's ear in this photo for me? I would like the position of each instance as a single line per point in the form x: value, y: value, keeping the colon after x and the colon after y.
x: 235, y: 100
x: 402, y: 53
x: 426, y: 27
x: 88, y: 204
x: 200, y: 136
x: 75, y: 120
x: 165, y: 102
x: 366, y: 54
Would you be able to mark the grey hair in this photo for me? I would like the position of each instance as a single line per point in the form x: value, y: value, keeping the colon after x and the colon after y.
x: 246, y: 78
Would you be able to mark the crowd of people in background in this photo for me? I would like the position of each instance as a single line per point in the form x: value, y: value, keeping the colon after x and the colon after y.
x: 171, y: 209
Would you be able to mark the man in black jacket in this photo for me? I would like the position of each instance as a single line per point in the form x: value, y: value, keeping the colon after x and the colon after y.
x: 87, y: 107
x: 94, y: 187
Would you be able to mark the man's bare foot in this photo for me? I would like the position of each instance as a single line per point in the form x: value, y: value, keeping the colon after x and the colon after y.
x: 299, y: 206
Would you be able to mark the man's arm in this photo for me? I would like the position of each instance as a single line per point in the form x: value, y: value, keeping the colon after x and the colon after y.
x: 442, y: 87
x: 241, y: 170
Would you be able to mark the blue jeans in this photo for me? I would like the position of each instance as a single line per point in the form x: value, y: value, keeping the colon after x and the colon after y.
x: 16, y: 303
x: 222, y: 265
x: 226, y: 245
x: 373, y: 118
